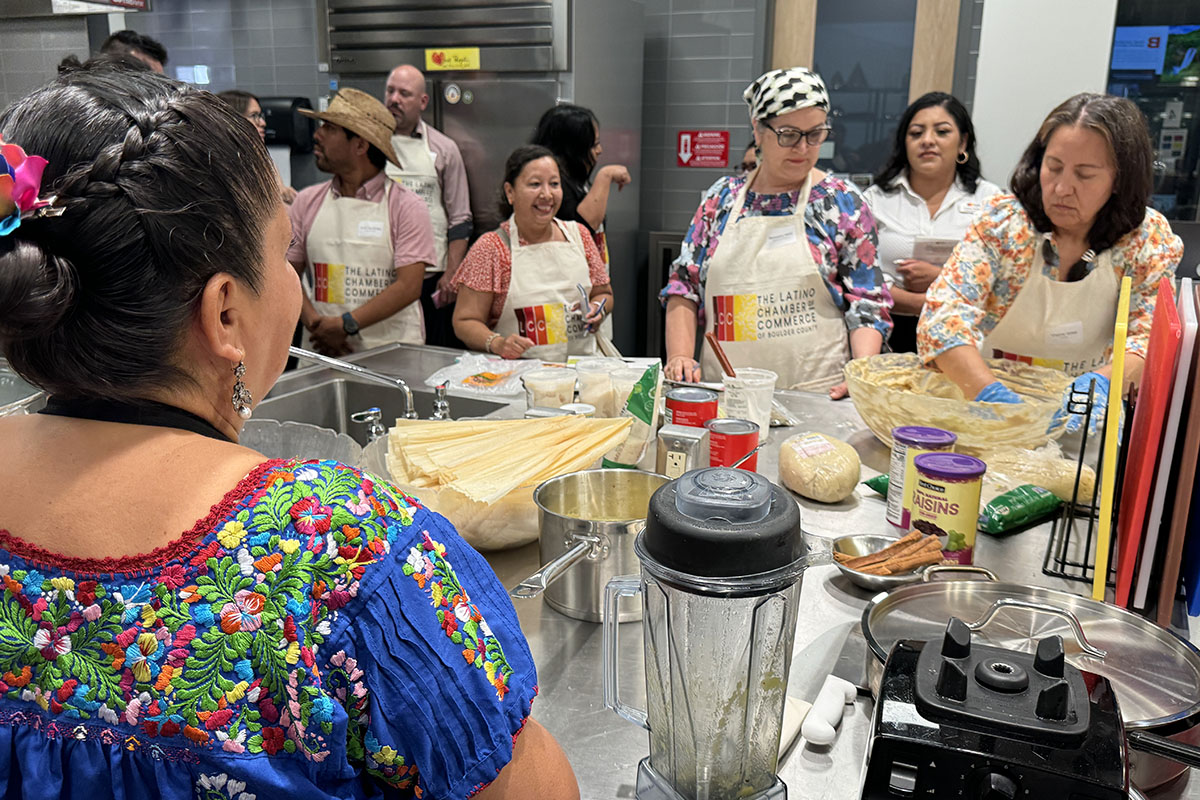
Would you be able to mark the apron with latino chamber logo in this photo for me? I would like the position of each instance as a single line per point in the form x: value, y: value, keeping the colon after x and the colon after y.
x: 768, y: 303
x: 419, y: 175
x: 1060, y: 325
x: 541, y: 292
x: 350, y: 260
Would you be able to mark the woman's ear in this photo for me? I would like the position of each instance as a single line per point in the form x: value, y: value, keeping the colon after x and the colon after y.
x: 220, y: 318
x: 508, y: 192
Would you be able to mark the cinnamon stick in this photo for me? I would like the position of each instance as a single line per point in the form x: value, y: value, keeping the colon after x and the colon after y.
x: 909, y: 563
x: 882, y: 555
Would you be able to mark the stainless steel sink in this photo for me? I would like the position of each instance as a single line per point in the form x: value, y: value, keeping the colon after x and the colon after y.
x: 330, y: 403
x: 16, y: 396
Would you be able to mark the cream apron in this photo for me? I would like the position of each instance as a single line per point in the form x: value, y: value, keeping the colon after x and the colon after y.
x: 419, y: 174
x: 1067, y: 326
x: 350, y: 260
x: 768, y: 304
x: 542, y: 290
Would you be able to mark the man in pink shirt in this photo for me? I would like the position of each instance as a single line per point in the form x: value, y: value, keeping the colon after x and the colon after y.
x: 431, y: 165
x: 360, y: 241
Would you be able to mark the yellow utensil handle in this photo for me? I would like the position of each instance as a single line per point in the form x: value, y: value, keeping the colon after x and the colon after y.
x: 1108, y: 477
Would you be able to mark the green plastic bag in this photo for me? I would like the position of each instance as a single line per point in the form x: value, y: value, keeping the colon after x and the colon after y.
x: 1016, y: 508
x: 643, y: 407
x: 878, y: 484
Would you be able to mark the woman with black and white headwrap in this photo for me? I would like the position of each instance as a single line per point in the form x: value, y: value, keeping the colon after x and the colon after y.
x: 780, y: 264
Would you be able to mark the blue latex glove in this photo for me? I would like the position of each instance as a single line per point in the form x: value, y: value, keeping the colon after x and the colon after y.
x: 997, y: 392
x: 1080, y: 387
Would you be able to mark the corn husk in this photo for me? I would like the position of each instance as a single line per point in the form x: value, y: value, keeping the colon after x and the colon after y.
x: 480, y: 474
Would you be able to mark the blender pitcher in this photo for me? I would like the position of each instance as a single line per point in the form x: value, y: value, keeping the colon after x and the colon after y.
x: 722, y: 557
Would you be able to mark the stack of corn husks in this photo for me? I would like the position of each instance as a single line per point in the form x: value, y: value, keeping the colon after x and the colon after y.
x: 480, y: 474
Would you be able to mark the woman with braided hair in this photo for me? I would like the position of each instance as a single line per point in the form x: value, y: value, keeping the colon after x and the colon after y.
x: 312, y: 632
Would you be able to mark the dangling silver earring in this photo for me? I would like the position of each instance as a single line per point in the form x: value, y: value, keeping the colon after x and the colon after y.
x: 241, y: 395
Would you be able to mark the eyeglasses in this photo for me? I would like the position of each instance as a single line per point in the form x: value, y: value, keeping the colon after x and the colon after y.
x: 744, y: 168
x: 257, y: 116
x: 790, y: 137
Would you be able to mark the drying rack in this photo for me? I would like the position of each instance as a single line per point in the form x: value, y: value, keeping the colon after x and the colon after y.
x: 1070, y: 551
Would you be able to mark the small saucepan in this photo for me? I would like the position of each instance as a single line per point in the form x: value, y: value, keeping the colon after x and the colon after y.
x: 587, y: 523
x: 1155, y: 673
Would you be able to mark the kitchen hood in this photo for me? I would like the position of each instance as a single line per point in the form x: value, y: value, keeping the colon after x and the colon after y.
x: 13, y: 9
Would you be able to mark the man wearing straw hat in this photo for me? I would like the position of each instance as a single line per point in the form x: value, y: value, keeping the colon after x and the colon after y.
x: 360, y: 241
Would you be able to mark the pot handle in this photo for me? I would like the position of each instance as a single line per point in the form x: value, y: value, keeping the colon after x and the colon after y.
x: 1157, y: 745
x: 1086, y: 647
x: 936, y: 568
x: 614, y: 590
x: 537, y: 583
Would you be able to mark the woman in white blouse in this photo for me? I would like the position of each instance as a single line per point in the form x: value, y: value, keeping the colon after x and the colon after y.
x: 923, y: 200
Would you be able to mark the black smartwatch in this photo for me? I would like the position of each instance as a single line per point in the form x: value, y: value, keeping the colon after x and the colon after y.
x: 349, y: 324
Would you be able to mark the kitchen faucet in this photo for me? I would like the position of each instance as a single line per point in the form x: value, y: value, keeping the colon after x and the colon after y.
x: 410, y: 411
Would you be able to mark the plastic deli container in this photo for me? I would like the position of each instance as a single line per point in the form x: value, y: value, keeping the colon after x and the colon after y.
x: 553, y: 387
x: 908, y: 442
x: 595, y: 384
x: 729, y: 440
x: 580, y: 409
x: 749, y: 395
x: 623, y: 381
x: 945, y: 501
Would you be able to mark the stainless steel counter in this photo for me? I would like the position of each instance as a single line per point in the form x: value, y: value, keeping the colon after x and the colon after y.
x: 603, y: 748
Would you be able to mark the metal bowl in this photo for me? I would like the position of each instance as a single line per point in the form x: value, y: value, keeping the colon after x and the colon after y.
x: 863, y: 544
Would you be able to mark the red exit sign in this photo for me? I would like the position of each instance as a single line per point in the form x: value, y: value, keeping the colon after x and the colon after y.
x: 702, y: 149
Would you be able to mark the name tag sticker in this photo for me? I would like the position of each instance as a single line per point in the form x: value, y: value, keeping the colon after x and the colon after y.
x: 781, y: 236
x: 969, y: 207
x: 370, y: 229
x: 1067, y: 333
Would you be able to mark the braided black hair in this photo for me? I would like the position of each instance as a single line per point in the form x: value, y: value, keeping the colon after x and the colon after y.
x: 161, y: 187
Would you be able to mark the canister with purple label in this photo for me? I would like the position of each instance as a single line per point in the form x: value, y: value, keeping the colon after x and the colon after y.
x: 909, y: 441
x: 945, y: 501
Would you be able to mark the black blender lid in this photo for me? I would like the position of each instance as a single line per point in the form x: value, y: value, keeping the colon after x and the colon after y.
x: 720, y: 522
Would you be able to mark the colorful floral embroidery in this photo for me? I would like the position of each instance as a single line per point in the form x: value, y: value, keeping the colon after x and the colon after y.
x: 459, y: 618
x: 218, y: 646
x: 221, y: 787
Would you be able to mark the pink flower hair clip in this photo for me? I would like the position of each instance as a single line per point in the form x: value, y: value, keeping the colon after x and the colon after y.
x: 20, y: 182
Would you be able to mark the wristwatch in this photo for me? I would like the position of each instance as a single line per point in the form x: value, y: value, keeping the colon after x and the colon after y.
x: 349, y: 324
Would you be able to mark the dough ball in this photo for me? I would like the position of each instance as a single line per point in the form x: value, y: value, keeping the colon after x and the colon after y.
x: 819, y: 467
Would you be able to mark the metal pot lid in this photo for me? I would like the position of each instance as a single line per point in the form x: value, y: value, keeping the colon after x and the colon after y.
x: 1155, y: 673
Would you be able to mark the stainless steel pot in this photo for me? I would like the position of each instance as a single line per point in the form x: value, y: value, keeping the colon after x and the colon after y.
x: 587, y: 523
x: 1155, y: 673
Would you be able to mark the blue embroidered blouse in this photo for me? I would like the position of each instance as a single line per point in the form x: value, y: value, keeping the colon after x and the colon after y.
x: 318, y: 635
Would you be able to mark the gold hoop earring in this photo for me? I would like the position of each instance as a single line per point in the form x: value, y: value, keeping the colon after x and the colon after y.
x: 963, y: 157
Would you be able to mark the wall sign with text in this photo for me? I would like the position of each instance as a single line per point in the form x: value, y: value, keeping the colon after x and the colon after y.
x: 702, y: 149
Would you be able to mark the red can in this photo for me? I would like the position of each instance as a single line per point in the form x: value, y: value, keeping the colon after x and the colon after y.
x: 691, y: 406
x: 729, y: 440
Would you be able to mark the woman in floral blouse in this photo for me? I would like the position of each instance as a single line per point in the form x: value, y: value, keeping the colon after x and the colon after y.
x: 780, y: 265
x: 1037, y: 276
x: 179, y: 617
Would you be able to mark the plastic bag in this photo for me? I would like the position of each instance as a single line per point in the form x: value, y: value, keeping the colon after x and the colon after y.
x: 1016, y: 508
x: 1045, y: 467
x: 878, y: 484
x: 486, y: 376
x: 642, y: 405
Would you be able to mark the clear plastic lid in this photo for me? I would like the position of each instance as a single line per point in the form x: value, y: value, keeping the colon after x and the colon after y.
x: 722, y: 493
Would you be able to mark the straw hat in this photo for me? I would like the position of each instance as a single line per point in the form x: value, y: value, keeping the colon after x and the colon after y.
x: 361, y: 113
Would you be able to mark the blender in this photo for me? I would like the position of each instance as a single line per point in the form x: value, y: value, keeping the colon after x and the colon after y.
x: 722, y: 557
